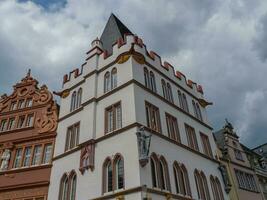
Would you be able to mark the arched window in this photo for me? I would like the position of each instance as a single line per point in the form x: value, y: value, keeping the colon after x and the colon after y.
x: 154, y: 163
x: 107, y: 176
x: 169, y: 93
x: 180, y: 99
x: 72, y: 183
x: 73, y: 101
x: 107, y: 82
x: 164, y: 89
x: 153, y: 82
x: 146, y: 77
x: 164, y: 180
x: 63, y: 191
x: 216, y: 188
x: 79, y: 98
x: 202, y: 186
x: 199, y: 112
x: 185, y: 105
x: 119, y: 172
x: 181, y: 179
x: 113, y: 78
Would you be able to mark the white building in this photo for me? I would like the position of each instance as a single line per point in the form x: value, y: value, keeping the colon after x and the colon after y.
x: 130, y: 127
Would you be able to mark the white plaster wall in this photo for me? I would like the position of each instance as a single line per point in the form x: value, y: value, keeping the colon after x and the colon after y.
x: 90, y: 184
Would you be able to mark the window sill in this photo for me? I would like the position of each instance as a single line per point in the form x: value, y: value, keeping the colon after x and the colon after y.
x: 22, y: 169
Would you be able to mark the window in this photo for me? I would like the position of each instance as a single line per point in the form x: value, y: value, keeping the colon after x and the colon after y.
x: 107, y: 82
x: 18, y: 158
x: 183, y: 101
x: 13, y: 105
x: 107, y: 176
x: 73, y: 182
x: 113, y: 78
x: 146, y: 77
x: 119, y: 172
x: 191, y: 137
x: 159, y: 172
x: 27, y: 156
x: 153, y: 82
x: 37, y: 155
x: 216, y: 188
x: 21, y: 122
x: 246, y: 181
x: 29, y: 121
x: 197, y: 110
x: 172, y: 126
x: 63, y: 193
x: 47, y: 153
x: 3, y: 125
x: 153, y: 162
x: 28, y: 103
x: 202, y: 186
x: 73, y: 101
x: 238, y: 155
x: 79, y: 98
x: 164, y: 88
x: 72, y: 139
x: 181, y: 179
x: 21, y: 104
x: 11, y: 124
x: 206, y: 145
x: 153, y: 117
x: 169, y: 93
x: 113, y: 118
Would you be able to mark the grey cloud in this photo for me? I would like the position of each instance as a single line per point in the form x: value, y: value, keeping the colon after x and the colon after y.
x: 261, y: 39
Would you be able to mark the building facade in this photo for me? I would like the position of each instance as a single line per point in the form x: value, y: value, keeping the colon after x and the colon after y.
x: 28, y: 121
x: 241, y: 178
x: 131, y: 127
x: 258, y: 161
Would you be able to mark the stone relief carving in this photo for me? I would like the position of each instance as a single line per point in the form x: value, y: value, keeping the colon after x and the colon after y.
x: 143, y: 140
x: 48, y: 121
x: 5, y: 159
x: 87, y: 157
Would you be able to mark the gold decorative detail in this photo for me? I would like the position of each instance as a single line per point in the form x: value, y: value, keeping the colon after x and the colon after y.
x: 48, y: 121
x: 63, y: 94
x: 123, y: 58
x: 168, y: 196
x: 204, y: 103
x: 120, y: 197
x: 139, y: 58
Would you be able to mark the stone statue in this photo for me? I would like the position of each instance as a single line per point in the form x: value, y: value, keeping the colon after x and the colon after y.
x: 5, y: 159
x: 225, y: 177
x: 143, y: 146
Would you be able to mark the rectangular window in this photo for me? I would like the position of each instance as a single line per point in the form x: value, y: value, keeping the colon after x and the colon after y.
x: 28, y: 103
x: 21, y: 122
x: 246, y: 181
x: 172, y: 126
x: 238, y: 155
x: 113, y: 118
x: 3, y: 125
x: 21, y: 104
x: 11, y: 124
x: 18, y: 158
x: 13, y: 105
x: 29, y: 121
x: 153, y: 117
x: 47, y: 153
x: 27, y: 156
x: 37, y: 155
x: 72, y: 137
x: 206, y: 145
x: 191, y: 137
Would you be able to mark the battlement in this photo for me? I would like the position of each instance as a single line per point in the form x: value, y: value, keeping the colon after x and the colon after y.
x: 124, y: 45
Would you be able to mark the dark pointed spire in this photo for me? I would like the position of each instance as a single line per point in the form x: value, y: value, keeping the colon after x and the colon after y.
x: 113, y: 30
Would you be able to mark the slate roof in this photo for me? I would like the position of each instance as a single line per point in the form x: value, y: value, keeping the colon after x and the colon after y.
x: 113, y: 30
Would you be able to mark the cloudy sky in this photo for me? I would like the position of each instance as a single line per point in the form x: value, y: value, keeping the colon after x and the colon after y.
x: 221, y: 44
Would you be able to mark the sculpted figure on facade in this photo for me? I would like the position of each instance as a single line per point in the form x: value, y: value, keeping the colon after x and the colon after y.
x: 225, y: 177
x: 143, y: 146
x: 5, y: 159
x: 87, y: 157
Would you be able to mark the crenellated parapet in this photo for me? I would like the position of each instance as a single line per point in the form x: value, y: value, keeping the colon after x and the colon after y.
x: 125, y: 46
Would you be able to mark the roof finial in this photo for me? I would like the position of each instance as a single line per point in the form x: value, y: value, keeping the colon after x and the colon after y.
x: 29, y: 73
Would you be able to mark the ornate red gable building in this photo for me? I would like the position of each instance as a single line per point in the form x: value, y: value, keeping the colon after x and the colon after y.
x: 28, y: 122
